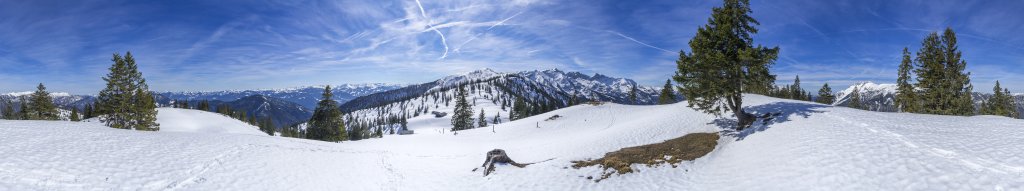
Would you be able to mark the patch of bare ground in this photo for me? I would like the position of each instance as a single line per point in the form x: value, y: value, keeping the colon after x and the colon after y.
x: 672, y: 152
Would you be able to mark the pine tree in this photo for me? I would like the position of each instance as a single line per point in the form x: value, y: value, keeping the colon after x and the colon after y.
x: 906, y: 98
x: 482, y: 119
x: 41, y: 107
x: 8, y: 110
x: 855, y: 99
x: 825, y: 95
x: 724, y: 63
x: 267, y: 126
x: 667, y: 95
x: 126, y: 102
x: 959, y: 81
x: 1001, y: 103
x: 203, y: 105
x: 327, y: 124
x: 945, y: 88
x: 497, y: 118
x: 462, y: 118
x: 575, y: 100
x: 797, y: 92
x: 24, y: 110
x: 87, y: 112
x: 632, y: 95
x: 74, y: 114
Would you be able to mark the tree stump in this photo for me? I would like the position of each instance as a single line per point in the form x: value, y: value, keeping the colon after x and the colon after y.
x: 498, y: 156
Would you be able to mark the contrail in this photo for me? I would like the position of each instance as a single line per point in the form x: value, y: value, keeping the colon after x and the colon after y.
x: 429, y: 25
x: 457, y: 49
x: 637, y: 41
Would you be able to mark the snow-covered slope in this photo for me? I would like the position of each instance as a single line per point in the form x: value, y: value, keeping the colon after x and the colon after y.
x: 809, y: 147
x: 196, y: 121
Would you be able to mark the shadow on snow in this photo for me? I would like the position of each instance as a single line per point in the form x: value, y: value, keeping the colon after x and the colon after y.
x: 768, y: 114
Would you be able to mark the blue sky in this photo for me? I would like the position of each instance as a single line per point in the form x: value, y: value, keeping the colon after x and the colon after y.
x: 220, y: 45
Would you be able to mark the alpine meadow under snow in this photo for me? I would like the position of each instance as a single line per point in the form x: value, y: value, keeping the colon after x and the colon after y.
x: 416, y: 105
x: 809, y: 146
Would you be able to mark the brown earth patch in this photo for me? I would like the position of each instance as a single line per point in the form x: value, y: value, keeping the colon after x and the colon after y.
x: 672, y: 152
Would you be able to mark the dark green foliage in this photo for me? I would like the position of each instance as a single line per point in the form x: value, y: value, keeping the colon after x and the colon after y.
x: 88, y: 112
x: 944, y: 86
x: 825, y: 95
x: 855, y: 99
x: 482, y: 119
x: 203, y: 105
x: 906, y: 98
x: 793, y: 91
x: 519, y: 109
x: 74, y: 115
x: 1001, y: 103
x: 462, y: 118
x: 267, y: 126
x: 8, y: 110
x: 724, y: 63
x: 632, y: 94
x: 667, y: 95
x: 326, y: 123
x: 24, y: 110
x: 126, y: 102
x: 41, y: 105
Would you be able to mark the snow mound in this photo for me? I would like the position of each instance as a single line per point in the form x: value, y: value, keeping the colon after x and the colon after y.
x: 196, y: 121
x: 809, y: 146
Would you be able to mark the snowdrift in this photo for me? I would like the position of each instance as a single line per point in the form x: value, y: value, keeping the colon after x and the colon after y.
x: 809, y: 147
x: 196, y: 121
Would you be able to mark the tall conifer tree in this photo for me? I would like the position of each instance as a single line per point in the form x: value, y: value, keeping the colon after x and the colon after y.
x: 825, y: 95
x: 327, y: 124
x: 462, y: 118
x: 41, y: 106
x: 724, y: 63
x: 906, y: 97
x: 855, y: 99
x: 667, y: 95
x: 126, y: 102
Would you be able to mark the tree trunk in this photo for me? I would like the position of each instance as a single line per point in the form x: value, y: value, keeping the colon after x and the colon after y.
x: 744, y: 119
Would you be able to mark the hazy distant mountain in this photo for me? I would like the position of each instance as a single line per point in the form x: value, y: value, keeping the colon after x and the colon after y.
x: 282, y: 112
x: 305, y: 96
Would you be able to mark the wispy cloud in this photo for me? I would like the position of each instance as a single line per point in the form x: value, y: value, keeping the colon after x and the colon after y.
x: 248, y: 45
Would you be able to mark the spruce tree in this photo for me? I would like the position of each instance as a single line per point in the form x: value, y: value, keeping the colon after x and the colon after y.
x: 24, y: 110
x: 1001, y: 103
x: 74, y: 114
x: 41, y: 105
x: 327, y: 124
x: 8, y: 110
x: 797, y: 92
x: 87, y: 111
x: 667, y: 95
x: 268, y: 126
x: 825, y: 95
x: 462, y: 117
x: 959, y: 82
x: 724, y: 63
x: 482, y: 119
x: 906, y: 97
x: 126, y: 102
x: 855, y: 99
x: 945, y: 87
x: 632, y: 95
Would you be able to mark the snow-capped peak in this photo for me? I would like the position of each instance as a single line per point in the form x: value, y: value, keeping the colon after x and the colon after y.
x: 26, y: 93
